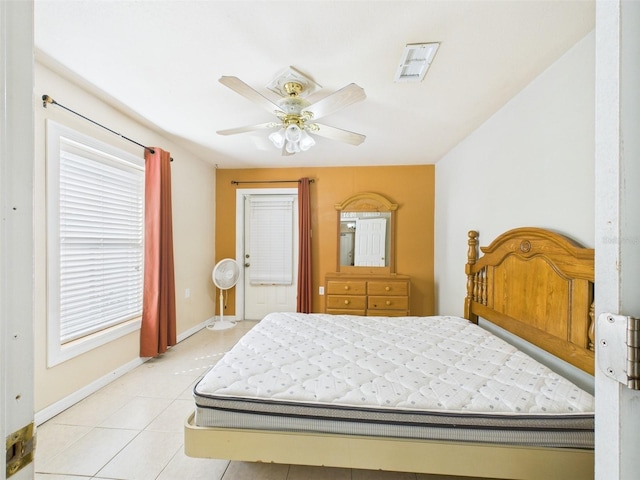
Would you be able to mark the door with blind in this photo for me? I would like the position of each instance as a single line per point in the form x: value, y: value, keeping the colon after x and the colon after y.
x: 270, y: 254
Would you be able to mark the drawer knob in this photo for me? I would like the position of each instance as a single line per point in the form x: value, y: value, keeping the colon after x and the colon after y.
x: 388, y: 302
x: 387, y: 288
x: 346, y: 287
x: 346, y: 302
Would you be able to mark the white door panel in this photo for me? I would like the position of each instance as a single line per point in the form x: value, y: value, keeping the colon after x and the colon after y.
x: 617, y: 226
x: 259, y: 299
x: 16, y: 228
x: 370, y: 242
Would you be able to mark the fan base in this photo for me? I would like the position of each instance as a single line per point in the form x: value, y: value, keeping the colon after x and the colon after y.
x: 221, y: 325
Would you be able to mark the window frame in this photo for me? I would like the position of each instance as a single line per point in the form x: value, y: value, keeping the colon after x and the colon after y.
x: 56, y: 351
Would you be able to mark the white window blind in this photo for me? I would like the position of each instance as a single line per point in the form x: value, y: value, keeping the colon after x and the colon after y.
x: 95, y: 235
x: 271, y: 239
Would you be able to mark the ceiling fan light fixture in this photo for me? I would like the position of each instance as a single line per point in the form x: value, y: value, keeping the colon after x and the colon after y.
x: 306, y: 141
x: 415, y: 61
x: 292, y: 147
x: 277, y: 138
x: 293, y: 138
x: 293, y: 133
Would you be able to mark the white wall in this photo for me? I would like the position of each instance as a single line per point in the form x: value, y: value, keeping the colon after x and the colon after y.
x: 193, y: 197
x: 530, y: 164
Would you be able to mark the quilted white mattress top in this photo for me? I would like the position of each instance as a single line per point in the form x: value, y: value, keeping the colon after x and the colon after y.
x: 437, y: 363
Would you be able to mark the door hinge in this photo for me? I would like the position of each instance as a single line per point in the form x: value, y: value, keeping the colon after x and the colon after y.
x: 618, y: 348
x: 20, y: 449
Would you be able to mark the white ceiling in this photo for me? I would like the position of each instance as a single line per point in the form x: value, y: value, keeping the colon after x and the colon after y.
x: 161, y: 60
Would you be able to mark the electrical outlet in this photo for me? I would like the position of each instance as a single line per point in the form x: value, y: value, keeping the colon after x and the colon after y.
x: 321, y: 290
x: 187, y: 292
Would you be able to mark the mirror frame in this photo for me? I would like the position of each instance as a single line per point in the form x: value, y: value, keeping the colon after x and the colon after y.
x: 369, y: 202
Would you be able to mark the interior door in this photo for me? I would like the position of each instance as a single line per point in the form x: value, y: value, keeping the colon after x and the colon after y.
x: 370, y: 242
x: 617, y: 227
x: 270, y: 254
x: 16, y: 238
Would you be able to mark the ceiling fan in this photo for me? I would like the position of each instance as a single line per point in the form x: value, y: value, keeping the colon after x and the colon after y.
x: 296, y: 116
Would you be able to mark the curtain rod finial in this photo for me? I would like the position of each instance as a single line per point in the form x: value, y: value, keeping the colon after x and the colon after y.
x: 47, y: 99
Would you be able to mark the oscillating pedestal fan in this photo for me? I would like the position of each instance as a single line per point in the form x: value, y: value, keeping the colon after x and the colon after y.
x: 225, y: 275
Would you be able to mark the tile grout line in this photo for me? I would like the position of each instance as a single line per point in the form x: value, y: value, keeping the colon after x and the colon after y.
x: 117, y: 453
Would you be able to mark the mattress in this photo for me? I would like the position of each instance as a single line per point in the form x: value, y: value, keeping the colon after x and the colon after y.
x: 438, y: 378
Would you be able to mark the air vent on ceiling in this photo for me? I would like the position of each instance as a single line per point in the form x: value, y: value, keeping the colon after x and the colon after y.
x: 415, y: 61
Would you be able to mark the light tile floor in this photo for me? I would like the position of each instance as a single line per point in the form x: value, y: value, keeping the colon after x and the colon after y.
x: 132, y: 429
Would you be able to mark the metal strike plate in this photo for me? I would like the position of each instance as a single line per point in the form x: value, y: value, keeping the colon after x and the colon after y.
x: 618, y: 348
x: 20, y: 449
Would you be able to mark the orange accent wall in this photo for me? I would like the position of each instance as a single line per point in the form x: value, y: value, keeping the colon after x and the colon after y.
x: 412, y: 187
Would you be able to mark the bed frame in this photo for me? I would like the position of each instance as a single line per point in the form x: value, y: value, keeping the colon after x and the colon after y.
x: 538, y: 285
x: 532, y: 282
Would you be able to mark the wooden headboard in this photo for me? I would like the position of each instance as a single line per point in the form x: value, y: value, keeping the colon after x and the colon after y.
x: 538, y: 285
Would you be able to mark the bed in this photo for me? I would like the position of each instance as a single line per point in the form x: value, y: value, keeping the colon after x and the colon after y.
x: 420, y: 394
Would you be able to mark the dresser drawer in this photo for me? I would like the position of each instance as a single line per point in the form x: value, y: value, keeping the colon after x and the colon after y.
x: 346, y: 287
x: 388, y: 313
x: 382, y: 302
x: 346, y: 302
x: 390, y: 287
x: 373, y: 295
x: 344, y: 311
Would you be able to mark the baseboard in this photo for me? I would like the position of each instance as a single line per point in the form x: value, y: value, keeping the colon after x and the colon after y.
x: 70, y: 400
x: 194, y: 329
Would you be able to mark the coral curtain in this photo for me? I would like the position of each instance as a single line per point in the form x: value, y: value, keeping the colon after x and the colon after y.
x: 158, y: 330
x: 304, y: 244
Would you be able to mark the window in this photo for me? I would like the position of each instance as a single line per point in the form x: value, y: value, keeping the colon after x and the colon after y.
x: 95, y: 210
x: 271, y: 239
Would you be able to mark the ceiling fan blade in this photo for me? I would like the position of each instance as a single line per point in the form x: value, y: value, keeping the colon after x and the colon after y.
x: 339, y: 134
x: 248, y: 128
x: 238, y: 86
x: 344, y: 97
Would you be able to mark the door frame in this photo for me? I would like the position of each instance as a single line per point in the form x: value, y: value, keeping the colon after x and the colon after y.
x: 17, y: 159
x: 617, y: 226
x: 240, y: 195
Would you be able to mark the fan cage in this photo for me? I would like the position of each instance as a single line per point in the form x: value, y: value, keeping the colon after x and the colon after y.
x: 226, y: 273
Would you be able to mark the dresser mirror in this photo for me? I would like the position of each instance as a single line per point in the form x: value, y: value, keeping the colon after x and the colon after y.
x: 366, y: 234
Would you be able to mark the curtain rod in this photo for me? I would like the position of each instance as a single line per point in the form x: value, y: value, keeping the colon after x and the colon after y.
x: 47, y: 99
x: 236, y: 182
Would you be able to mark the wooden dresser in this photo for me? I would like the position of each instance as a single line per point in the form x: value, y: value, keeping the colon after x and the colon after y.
x: 374, y: 295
